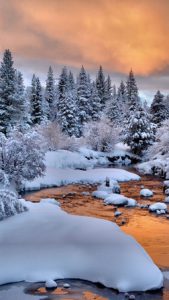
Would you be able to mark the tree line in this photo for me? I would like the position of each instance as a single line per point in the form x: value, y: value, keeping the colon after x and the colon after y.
x: 74, y: 102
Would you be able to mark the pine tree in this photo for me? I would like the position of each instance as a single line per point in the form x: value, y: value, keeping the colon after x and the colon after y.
x: 108, y: 89
x: 71, y: 81
x: 50, y: 93
x: 113, y: 111
x: 62, y: 89
x: 83, y: 95
x: 95, y: 104
x: 122, y: 102
x: 132, y: 93
x: 69, y: 116
x: 139, y: 132
x: 101, y: 86
x: 158, y: 109
x: 36, y: 101
x: 7, y: 90
x: 18, y: 104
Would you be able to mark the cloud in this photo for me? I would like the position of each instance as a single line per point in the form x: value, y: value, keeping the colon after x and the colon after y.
x: 117, y: 34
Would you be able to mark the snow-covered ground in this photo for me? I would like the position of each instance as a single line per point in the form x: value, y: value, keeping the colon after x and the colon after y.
x: 61, y: 169
x: 58, y: 177
x: 46, y: 243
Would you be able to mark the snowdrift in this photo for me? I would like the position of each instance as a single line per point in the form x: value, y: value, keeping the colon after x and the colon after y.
x: 46, y: 243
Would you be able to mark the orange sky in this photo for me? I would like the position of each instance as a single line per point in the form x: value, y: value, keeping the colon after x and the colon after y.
x: 119, y: 34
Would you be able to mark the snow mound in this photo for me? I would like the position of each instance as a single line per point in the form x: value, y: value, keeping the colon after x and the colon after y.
x: 116, y: 199
x: 157, y: 207
x: 146, y: 193
x: 50, y: 284
x: 131, y: 202
x: 166, y: 200
x: 57, y: 177
x: 100, y: 194
x: 63, y: 159
x: 49, y: 243
x: 112, y: 187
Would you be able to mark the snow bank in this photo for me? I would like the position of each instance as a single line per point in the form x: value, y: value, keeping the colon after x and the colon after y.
x: 146, y: 193
x: 47, y: 243
x: 58, y: 177
x: 63, y: 159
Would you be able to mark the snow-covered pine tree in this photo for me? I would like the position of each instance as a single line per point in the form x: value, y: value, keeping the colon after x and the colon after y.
x: 95, y: 104
x: 62, y: 89
x: 139, y: 132
x: 166, y: 103
x: 132, y: 93
x: 71, y: 81
x: 158, y: 109
x: 122, y: 102
x: 7, y: 90
x: 108, y: 89
x: 113, y: 111
x: 101, y: 86
x: 69, y: 124
x: 83, y: 95
x: 18, y: 103
x: 50, y: 94
x: 36, y: 101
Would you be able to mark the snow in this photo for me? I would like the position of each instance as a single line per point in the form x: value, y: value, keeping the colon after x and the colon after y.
x: 131, y: 202
x: 100, y: 194
x: 47, y: 243
x: 50, y: 200
x: 158, y: 206
x: 116, y: 199
x: 57, y: 177
x: 117, y: 213
x: 66, y: 285
x: 146, y: 193
x: 63, y: 159
x: 50, y: 284
x: 166, y: 200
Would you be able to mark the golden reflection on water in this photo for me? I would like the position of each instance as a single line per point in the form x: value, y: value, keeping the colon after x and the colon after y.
x: 151, y: 231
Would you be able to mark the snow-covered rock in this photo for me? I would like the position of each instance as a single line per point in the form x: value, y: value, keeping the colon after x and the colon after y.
x: 100, y: 194
x: 166, y: 200
x: 116, y: 199
x: 57, y: 177
x: 158, y: 206
x: 66, y: 285
x: 45, y: 243
x: 131, y: 202
x: 146, y: 193
x: 110, y: 186
x: 167, y: 192
x: 50, y: 284
x: 117, y: 213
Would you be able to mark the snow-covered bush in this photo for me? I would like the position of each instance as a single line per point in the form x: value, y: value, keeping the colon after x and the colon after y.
x: 161, y: 146
x: 100, y: 136
x: 54, y: 139
x: 10, y: 205
x: 21, y: 157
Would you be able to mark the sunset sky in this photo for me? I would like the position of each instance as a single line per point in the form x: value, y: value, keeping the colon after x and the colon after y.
x: 118, y: 34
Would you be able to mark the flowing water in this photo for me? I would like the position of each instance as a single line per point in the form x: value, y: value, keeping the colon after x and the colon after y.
x: 151, y: 231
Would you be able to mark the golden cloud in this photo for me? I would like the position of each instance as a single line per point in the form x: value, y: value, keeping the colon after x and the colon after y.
x: 119, y: 34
